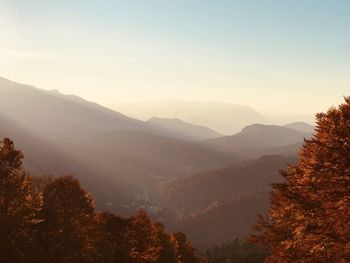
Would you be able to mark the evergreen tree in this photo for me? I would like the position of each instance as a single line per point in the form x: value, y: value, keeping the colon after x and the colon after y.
x: 309, y: 217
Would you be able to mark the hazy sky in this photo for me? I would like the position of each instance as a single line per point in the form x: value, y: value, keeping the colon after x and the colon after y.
x: 283, y: 56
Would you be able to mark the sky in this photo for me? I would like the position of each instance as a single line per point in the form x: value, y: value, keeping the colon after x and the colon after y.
x: 290, y: 56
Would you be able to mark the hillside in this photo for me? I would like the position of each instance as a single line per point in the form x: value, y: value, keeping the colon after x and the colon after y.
x: 225, y: 118
x: 257, y: 140
x: 117, y: 158
x: 232, y: 196
x: 183, y: 130
x: 39, y: 110
x: 127, y: 164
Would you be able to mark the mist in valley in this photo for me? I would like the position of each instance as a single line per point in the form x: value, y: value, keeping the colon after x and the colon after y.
x: 174, y: 132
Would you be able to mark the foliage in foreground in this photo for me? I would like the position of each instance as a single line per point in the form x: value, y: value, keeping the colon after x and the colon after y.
x: 55, y: 221
x: 236, y: 252
x: 309, y: 216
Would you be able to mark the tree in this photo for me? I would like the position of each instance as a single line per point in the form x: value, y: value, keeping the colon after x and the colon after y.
x: 309, y: 218
x: 167, y: 252
x: 185, y: 250
x: 236, y: 252
x: 144, y: 246
x: 114, y: 244
x: 52, y: 219
x: 19, y: 205
x: 67, y: 230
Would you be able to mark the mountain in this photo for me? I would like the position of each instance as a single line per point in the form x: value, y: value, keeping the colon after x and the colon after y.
x: 281, y: 119
x: 40, y: 155
x: 127, y: 163
x: 34, y: 109
x: 286, y: 150
x: 31, y: 104
x: 225, y: 118
x: 257, y: 138
x: 301, y: 126
x: 116, y: 157
x: 219, y: 205
x: 183, y: 130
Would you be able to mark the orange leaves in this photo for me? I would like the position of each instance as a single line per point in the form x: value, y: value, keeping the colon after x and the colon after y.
x: 310, y: 212
x: 44, y: 219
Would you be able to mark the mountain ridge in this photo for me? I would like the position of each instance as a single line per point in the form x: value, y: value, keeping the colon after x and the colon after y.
x: 114, y: 156
x: 184, y: 129
x: 256, y: 138
x: 225, y: 118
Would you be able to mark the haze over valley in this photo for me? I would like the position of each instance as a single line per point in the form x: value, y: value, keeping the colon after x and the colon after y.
x: 187, y: 131
x: 128, y: 164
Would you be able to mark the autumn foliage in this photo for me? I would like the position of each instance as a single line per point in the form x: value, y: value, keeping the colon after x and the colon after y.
x: 309, y: 216
x: 54, y: 220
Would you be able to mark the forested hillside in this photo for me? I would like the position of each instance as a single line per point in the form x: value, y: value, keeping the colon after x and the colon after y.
x: 232, y: 196
x: 309, y: 214
x: 53, y: 219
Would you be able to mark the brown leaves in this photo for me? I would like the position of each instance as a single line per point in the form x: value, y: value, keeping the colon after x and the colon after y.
x: 310, y: 212
x: 45, y: 219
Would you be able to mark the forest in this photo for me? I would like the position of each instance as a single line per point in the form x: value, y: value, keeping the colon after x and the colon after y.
x: 183, y: 131
x: 53, y: 219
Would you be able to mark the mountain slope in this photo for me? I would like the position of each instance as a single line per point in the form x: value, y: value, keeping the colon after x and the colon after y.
x: 34, y: 109
x: 257, y: 138
x: 40, y: 156
x: 220, y: 205
x: 39, y: 110
x: 116, y: 157
x: 225, y: 118
x: 183, y: 130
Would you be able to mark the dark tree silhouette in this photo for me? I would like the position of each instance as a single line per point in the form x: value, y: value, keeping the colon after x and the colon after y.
x: 19, y: 204
x: 114, y: 245
x: 52, y: 219
x: 309, y: 217
x: 236, y: 252
x: 145, y: 247
x: 68, y: 221
x: 185, y: 250
x: 168, y: 252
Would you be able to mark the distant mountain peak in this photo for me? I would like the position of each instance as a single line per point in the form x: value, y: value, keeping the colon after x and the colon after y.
x: 257, y: 139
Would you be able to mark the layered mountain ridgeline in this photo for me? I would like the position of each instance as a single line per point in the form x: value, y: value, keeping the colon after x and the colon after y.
x: 218, y: 205
x: 257, y: 140
x: 156, y: 165
x: 225, y: 118
x: 36, y: 109
x: 117, y: 158
x: 177, y: 126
